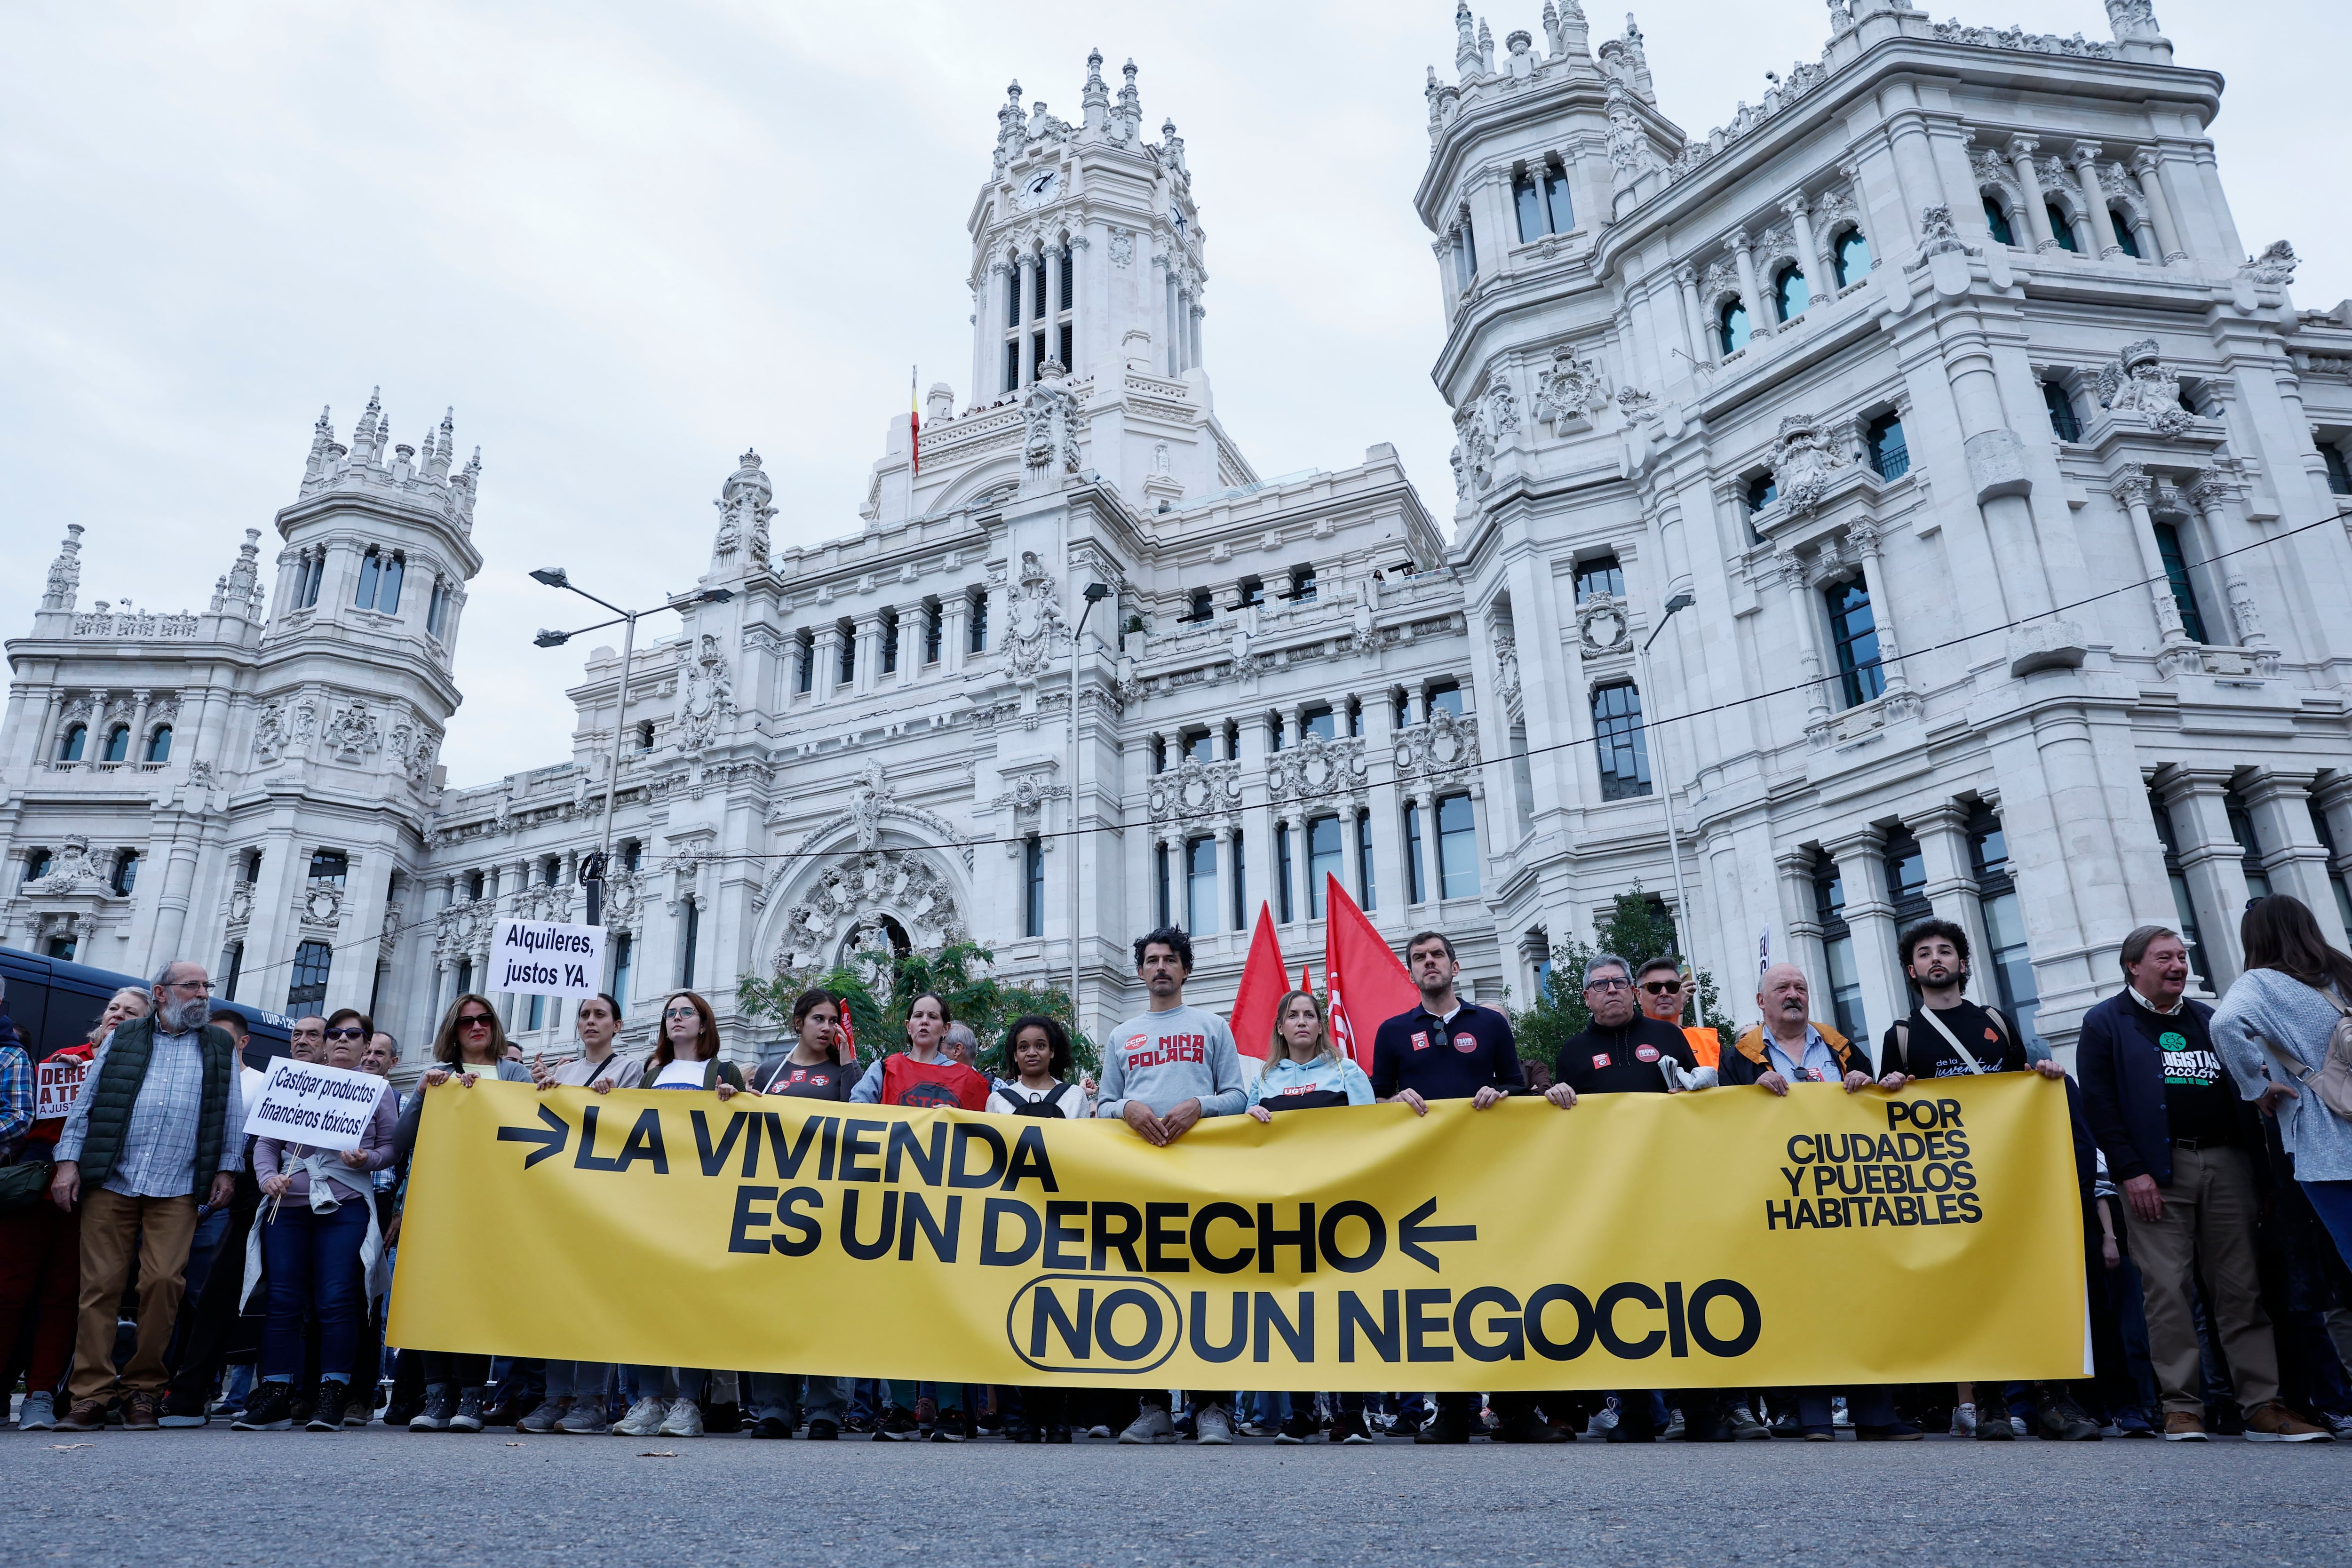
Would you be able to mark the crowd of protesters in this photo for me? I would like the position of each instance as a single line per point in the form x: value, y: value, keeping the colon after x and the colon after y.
x: 160, y: 1269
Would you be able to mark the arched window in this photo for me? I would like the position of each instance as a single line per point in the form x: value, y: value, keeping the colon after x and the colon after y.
x: 2062, y: 228
x: 2124, y: 233
x: 159, y: 745
x: 307, y: 993
x: 2175, y: 577
x: 387, y: 591
x: 1852, y: 256
x: 117, y: 744
x: 1731, y: 326
x: 69, y: 749
x: 1792, y: 292
x: 1855, y: 630
x: 436, y: 608
x: 126, y: 872
x: 1997, y: 221
x: 309, y: 572
x: 371, y: 570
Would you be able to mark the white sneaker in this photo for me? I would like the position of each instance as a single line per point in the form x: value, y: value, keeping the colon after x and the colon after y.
x: 1604, y: 1420
x: 38, y: 1412
x: 1214, y: 1425
x: 1963, y: 1421
x: 685, y: 1420
x: 1153, y: 1426
x: 1098, y: 1431
x: 1838, y: 1415
x: 644, y: 1419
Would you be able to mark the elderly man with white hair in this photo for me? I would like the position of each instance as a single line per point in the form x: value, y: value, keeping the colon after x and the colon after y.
x: 157, y: 1119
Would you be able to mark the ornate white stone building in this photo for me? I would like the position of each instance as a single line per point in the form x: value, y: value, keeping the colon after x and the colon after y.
x: 1914, y: 487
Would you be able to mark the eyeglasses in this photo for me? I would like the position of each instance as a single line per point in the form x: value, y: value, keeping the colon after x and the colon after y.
x: 677, y: 1013
x: 1661, y: 988
x: 1616, y: 982
x: 346, y: 1034
x: 475, y: 1021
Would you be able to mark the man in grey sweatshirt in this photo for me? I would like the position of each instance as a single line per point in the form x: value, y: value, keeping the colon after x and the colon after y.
x: 1161, y: 1073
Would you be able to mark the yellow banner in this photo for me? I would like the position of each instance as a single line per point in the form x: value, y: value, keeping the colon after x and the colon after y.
x: 1727, y: 1238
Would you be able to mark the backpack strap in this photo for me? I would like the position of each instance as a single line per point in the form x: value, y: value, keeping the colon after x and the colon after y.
x: 1952, y: 1039
x: 2001, y: 1024
x: 1902, y: 1046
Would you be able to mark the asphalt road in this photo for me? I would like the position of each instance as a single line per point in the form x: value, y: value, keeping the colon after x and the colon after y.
x: 357, y: 1499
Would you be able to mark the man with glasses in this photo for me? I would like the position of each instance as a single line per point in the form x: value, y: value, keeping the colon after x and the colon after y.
x: 159, y: 1113
x: 1666, y: 993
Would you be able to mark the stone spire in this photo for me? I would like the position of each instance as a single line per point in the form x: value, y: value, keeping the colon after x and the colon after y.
x: 436, y: 465
x: 322, y: 438
x: 1011, y: 134
x: 1172, y: 146
x: 65, y: 573
x: 367, y: 437
x: 239, y: 592
x: 1130, y: 103
x: 1465, y: 40
x: 1095, y: 102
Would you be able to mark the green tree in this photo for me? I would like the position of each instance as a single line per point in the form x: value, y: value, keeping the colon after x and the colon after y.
x: 960, y: 972
x: 1636, y: 927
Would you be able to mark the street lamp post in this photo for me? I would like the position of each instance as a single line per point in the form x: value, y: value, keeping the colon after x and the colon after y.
x: 1095, y: 595
x: 591, y: 874
x: 1682, y: 600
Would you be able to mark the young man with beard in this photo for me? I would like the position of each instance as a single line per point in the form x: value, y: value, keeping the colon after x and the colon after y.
x: 1447, y: 1048
x: 158, y: 1120
x: 1163, y: 1071
x: 1947, y: 1035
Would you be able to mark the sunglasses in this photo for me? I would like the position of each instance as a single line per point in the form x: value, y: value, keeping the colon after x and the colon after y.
x: 346, y: 1034
x: 1661, y: 988
x: 475, y: 1021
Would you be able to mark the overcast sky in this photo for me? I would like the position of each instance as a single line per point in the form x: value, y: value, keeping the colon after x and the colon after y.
x: 626, y: 242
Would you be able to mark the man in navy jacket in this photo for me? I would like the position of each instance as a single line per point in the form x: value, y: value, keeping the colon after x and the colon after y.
x: 2172, y: 1125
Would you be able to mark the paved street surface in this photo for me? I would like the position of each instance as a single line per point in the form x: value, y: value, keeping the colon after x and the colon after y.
x: 363, y: 1498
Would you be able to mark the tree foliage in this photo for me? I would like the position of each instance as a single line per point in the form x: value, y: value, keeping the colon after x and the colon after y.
x: 1636, y: 927
x: 961, y: 971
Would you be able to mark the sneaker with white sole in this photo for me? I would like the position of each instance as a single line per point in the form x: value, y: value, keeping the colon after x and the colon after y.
x: 585, y: 1416
x: 1098, y: 1431
x: 38, y: 1412
x: 644, y: 1420
x: 544, y: 1417
x: 1214, y: 1425
x: 685, y: 1419
x: 1152, y: 1426
x: 1963, y: 1421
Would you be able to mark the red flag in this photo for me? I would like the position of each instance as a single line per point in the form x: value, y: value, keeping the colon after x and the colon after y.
x: 1364, y: 986
x: 845, y: 1039
x: 1306, y: 977
x: 1265, y: 977
x: 914, y: 422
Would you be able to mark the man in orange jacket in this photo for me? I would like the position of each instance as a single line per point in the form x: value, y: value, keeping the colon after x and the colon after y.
x: 1664, y: 992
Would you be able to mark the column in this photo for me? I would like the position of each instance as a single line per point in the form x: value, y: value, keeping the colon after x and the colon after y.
x: 1025, y: 294
x: 2212, y: 862
x: 910, y: 641
x: 1819, y: 277
x: 136, y: 753
x: 1869, y: 914
x: 1951, y: 885
x: 1199, y: 314
x: 53, y: 708
x: 1760, y: 325
x: 1809, y: 650
x: 1386, y: 803
x: 2333, y: 799
x: 2148, y: 166
x: 954, y: 630
x: 1699, y: 343
x: 828, y: 661
x: 1799, y: 939
x: 2280, y: 804
x: 2029, y: 180
x: 864, y: 679
x: 2132, y: 489
x: 1352, y: 814
x: 1174, y: 359
x: 2086, y: 156
x: 2215, y: 499
x: 1900, y: 701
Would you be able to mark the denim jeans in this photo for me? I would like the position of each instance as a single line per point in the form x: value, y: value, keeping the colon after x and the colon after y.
x: 903, y: 1395
x: 1870, y: 1406
x: 313, y: 1261
x: 578, y: 1380
x: 819, y: 1398
x: 2332, y: 1201
x: 652, y: 1380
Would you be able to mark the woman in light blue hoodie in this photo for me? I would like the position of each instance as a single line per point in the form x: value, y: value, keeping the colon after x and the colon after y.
x: 1304, y: 1071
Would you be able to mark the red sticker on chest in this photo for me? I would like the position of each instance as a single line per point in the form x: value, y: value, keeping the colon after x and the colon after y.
x: 1645, y: 1053
x: 1420, y: 1039
x: 1466, y: 1044
x: 1600, y: 1058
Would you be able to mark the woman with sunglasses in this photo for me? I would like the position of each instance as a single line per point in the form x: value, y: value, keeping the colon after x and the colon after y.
x: 685, y: 1055
x: 471, y: 1045
x: 316, y: 1231
x: 574, y: 1400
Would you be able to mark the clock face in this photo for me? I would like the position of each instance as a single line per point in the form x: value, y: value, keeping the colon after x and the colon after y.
x: 1039, y: 189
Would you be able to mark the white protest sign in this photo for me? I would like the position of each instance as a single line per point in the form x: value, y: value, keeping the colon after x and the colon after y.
x: 54, y: 1084
x: 324, y: 1106
x: 547, y: 959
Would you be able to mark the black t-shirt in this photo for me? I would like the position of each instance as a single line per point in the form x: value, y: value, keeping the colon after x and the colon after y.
x: 826, y: 1080
x: 2199, y: 1100
x: 1623, y: 1060
x: 1452, y: 1061
x: 1929, y: 1055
